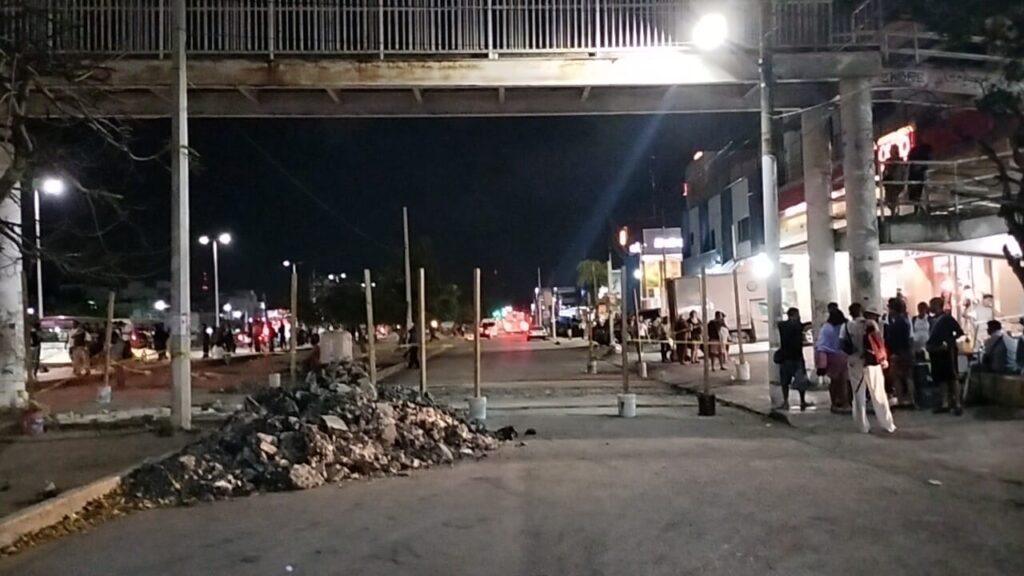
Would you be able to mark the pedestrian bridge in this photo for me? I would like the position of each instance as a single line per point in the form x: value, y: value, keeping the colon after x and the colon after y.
x: 323, y: 58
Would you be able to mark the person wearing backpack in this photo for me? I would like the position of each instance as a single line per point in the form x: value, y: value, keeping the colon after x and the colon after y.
x: 874, y: 360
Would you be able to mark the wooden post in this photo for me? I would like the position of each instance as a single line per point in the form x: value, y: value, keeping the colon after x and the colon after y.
x: 423, y: 333
x: 476, y: 333
x: 106, y: 340
x: 625, y: 331
x: 371, y: 329
x: 704, y: 328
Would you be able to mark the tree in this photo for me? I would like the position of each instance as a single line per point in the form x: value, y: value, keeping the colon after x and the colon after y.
x: 996, y: 29
x: 591, y: 275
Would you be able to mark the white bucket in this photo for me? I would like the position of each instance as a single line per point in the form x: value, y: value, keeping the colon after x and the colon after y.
x: 274, y: 380
x: 627, y: 405
x: 742, y: 372
x: 103, y: 395
x: 478, y: 408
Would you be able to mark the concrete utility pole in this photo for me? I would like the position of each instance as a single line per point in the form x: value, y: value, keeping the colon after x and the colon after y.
x: 861, y: 203
x: 770, y: 192
x: 742, y: 368
x: 105, y: 396
x: 216, y: 287
x: 821, y: 251
x: 181, y: 297
x: 371, y: 328
x: 408, y: 273
x: 625, y: 329
x: 39, y: 257
x: 423, y: 332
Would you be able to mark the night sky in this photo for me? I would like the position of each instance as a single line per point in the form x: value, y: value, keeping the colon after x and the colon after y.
x: 505, y: 194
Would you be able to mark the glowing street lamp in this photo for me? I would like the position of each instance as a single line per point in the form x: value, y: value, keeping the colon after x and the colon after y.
x: 225, y: 239
x: 50, y: 186
x: 710, y: 32
x: 161, y: 305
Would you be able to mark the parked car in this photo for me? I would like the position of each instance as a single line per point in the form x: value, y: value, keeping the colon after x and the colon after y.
x: 537, y: 333
x: 488, y: 328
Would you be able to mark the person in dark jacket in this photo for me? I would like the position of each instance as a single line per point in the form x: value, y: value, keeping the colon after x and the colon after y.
x: 790, y: 358
x: 942, y: 352
x: 899, y: 341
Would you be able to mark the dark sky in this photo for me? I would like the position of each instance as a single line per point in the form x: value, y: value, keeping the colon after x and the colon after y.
x: 505, y: 194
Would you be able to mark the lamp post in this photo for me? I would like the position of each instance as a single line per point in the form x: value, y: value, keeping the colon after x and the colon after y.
x: 711, y: 32
x: 225, y: 239
x: 50, y: 187
x: 293, y: 319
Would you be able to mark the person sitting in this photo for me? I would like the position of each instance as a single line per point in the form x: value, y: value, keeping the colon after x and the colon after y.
x: 1000, y: 351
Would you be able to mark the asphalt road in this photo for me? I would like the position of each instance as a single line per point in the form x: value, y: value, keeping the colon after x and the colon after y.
x: 667, y: 493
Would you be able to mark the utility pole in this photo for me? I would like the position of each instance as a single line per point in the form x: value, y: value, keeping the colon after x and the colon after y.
x: 770, y: 189
x: 181, y: 308
x: 216, y: 287
x: 371, y: 328
x: 39, y: 258
x: 537, y: 299
x: 478, y: 403
x: 408, y: 273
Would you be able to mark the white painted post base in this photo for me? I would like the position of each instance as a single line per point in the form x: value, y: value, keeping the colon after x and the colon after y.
x: 642, y: 370
x: 742, y: 372
x: 274, y: 380
x: 592, y: 367
x: 478, y: 408
x: 627, y: 405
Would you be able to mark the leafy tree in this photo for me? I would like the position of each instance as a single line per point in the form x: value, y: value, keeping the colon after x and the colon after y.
x: 591, y: 275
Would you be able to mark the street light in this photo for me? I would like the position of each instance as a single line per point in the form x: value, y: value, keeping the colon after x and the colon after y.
x: 225, y: 239
x: 710, y: 32
x: 51, y: 187
x: 227, y: 307
x: 160, y: 305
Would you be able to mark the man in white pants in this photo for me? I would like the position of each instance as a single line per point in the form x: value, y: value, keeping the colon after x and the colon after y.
x: 872, y: 380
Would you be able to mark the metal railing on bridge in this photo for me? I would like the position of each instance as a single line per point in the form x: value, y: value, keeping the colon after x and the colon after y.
x: 381, y: 28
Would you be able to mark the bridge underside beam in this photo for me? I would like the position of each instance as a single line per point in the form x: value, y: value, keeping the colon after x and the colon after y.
x: 310, y: 103
x: 641, y: 68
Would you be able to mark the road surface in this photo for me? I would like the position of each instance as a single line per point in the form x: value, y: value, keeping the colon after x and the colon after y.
x: 665, y: 493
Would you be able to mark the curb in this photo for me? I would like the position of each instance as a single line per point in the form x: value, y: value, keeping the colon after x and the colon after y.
x: 52, y: 511
x: 770, y: 414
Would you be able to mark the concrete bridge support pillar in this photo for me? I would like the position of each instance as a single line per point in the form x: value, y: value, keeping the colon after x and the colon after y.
x: 861, y: 203
x: 12, y: 304
x: 821, y: 252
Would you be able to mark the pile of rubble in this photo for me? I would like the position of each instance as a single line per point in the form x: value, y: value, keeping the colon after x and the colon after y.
x: 333, y: 427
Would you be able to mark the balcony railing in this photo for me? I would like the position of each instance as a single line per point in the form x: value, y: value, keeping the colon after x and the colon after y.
x: 381, y: 28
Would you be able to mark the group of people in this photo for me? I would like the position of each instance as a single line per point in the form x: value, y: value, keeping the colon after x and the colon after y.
x: 87, y: 342
x: 874, y: 354
x: 681, y: 340
x: 910, y: 174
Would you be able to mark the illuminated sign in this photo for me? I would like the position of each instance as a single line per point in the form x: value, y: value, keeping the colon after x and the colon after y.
x: 668, y: 243
x: 903, y: 139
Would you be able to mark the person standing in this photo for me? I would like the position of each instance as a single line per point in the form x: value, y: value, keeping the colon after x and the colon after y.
x: 281, y: 335
x: 917, y: 174
x: 36, y: 344
x: 921, y: 326
x: 790, y: 358
x: 942, y: 352
x: 874, y: 360
x: 682, y: 335
x: 413, y: 351
x: 851, y: 341
x: 714, y: 350
x: 723, y: 341
x: 204, y: 337
x: 835, y: 364
x: 664, y: 335
x: 893, y: 179
x: 899, y: 344
x: 160, y: 337
x: 695, y: 335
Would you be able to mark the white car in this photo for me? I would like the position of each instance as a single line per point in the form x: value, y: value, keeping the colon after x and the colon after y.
x: 537, y: 333
x: 488, y: 329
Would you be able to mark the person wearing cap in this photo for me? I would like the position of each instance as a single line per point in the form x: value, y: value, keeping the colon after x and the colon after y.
x: 872, y: 380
